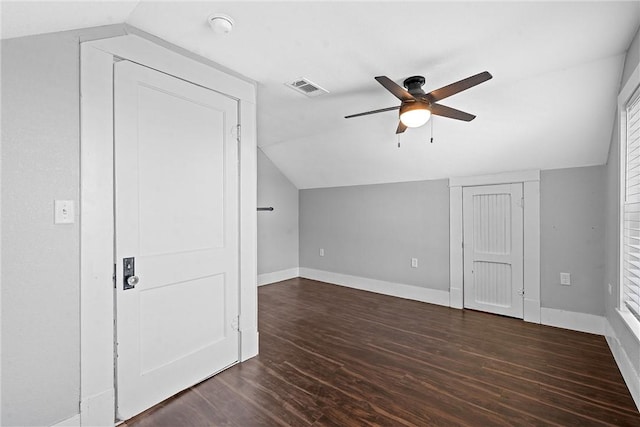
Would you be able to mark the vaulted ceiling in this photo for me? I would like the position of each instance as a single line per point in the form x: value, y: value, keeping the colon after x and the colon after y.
x: 556, y: 70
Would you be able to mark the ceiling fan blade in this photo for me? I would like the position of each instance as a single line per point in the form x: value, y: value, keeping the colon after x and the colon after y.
x: 401, y: 127
x: 452, y: 113
x: 459, y: 86
x: 399, y: 92
x: 382, y: 110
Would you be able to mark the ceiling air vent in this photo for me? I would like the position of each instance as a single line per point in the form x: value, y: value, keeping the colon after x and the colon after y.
x: 306, y: 87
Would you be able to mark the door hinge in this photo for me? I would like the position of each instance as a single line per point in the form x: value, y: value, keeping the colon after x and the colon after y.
x: 113, y: 277
x: 239, y: 130
x: 235, y: 324
x: 522, y: 202
x: 521, y: 292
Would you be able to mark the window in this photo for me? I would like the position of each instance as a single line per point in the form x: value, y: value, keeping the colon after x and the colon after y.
x: 630, y: 149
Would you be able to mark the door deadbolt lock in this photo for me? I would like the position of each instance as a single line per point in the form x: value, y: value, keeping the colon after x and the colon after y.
x: 129, y: 278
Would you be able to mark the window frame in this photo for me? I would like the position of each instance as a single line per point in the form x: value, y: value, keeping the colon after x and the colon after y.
x: 628, y: 94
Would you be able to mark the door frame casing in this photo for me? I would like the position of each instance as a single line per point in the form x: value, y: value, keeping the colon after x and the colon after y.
x: 531, y: 193
x: 97, y: 385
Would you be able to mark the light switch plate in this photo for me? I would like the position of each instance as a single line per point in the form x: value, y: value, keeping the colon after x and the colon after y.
x: 414, y: 262
x: 64, y: 212
x: 565, y: 279
x: 321, y: 252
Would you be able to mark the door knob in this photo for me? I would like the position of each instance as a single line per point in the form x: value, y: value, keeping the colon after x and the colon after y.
x: 129, y: 278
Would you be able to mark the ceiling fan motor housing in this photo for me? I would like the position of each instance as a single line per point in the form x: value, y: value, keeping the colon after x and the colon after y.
x: 414, y: 85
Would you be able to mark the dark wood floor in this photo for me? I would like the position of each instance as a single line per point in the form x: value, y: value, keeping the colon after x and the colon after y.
x: 333, y: 356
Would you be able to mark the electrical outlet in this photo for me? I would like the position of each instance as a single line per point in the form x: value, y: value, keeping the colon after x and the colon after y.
x: 414, y: 262
x: 565, y: 279
x: 321, y: 252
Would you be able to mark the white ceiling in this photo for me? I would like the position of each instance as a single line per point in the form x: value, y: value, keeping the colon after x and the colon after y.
x: 550, y: 104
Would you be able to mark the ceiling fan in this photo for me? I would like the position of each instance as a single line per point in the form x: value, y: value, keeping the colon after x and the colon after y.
x: 416, y: 107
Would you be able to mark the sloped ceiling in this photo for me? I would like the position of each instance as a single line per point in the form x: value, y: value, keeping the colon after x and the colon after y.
x: 550, y: 104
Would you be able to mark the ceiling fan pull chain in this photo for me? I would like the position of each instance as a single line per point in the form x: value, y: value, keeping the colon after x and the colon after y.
x: 432, y: 130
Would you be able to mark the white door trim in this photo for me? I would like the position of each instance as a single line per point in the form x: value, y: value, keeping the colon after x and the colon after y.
x: 531, y: 181
x: 97, y: 388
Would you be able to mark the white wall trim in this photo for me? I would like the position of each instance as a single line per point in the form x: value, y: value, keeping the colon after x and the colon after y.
x: 630, y: 322
x: 575, y: 321
x: 629, y: 373
x: 96, y: 410
x: 531, y: 193
x: 278, y: 276
x: 69, y: 422
x: 137, y: 49
x: 96, y: 231
x: 416, y: 293
x: 249, y: 342
x: 456, y: 253
x: 248, y: 221
x: 497, y: 178
x: 96, y: 206
x: 623, y: 99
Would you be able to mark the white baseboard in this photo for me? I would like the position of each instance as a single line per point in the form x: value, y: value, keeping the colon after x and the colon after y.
x: 575, y: 321
x: 432, y: 296
x: 629, y: 373
x: 278, y: 276
x: 69, y: 422
x: 98, y: 410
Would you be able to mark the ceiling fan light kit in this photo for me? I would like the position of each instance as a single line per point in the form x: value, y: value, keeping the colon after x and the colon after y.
x: 414, y: 114
x: 416, y: 106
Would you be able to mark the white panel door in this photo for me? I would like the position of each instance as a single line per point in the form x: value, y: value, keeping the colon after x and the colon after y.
x: 176, y: 182
x: 493, y: 249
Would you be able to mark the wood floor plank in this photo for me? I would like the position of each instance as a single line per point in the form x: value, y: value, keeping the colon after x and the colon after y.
x: 186, y: 409
x: 231, y: 405
x: 334, y: 356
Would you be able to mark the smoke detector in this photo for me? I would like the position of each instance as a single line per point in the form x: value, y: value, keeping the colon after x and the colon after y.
x: 306, y: 87
x: 220, y: 23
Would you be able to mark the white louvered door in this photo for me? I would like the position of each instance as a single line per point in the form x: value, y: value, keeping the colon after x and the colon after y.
x: 493, y: 249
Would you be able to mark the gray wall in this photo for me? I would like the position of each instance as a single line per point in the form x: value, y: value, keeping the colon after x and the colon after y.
x: 572, y: 206
x: 40, y: 260
x: 277, y: 230
x: 373, y: 231
x: 628, y: 341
